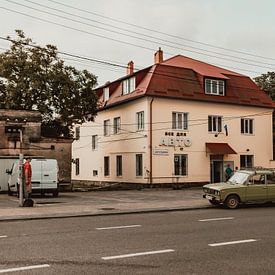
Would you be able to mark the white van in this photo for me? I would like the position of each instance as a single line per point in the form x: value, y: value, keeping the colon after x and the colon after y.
x: 44, y: 177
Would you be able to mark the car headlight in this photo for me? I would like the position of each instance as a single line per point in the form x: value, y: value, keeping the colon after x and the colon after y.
x: 217, y: 192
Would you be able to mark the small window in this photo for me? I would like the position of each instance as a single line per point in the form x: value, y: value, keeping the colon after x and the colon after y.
x: 140, y: 120
x: 116, y: 125
x: 139, y: 165
x: 119, y: 166
x: 214, y: 86
x: 128, y: 85
x: 106, y: 94
x: 107, y: 127
x: 95, y: 173
x: 214, y: 124
x: 77, y: 166
x: 246, y: 161
x: 179, y: 121
x: 180, y: 165
x: 106, y: 166
x: 77, y: 133
x: 247, y: 126
x: 94, y: 142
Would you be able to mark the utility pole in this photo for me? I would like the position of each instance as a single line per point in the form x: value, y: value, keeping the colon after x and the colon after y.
x: 20, y: 176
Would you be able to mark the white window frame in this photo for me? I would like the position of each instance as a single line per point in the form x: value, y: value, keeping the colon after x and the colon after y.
x: 214, y: 86
x: 180, y: 159
x: 128, y: 85
x: 106, y: 94
x: 117, y: 125
x: 214, y: 124
x: 140, y: 120
x: 106, y: 127
x: 179, y: 121
x: 94, y: 142
x: 247, y: 126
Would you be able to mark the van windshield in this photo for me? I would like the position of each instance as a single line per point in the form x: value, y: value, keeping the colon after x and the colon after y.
x: 239, y: 178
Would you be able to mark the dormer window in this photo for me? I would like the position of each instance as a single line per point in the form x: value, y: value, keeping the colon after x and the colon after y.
x: 106, y: 94
x: 128, y: 85
x: 214, y: 86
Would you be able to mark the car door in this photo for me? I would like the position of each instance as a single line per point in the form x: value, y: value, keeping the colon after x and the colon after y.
x: 256, y: 188
x: 49, y: 174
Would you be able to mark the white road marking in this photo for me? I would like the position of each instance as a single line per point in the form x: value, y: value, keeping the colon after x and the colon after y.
x: 118, y: 227
x: 216, y: 219
x: 138, y: 254
x: 23, y: 268
x: 3, y: 236
x: 233, y: 242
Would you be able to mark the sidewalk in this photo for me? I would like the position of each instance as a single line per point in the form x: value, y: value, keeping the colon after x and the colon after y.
x: 95, y: 203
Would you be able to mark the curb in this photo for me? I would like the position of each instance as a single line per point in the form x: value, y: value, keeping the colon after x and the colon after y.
x: 80, y: 215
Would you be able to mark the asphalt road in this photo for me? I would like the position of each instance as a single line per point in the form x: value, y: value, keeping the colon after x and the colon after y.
x: 209, y: 241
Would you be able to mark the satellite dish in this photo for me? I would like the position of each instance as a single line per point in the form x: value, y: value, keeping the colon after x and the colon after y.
x: 188, y: 142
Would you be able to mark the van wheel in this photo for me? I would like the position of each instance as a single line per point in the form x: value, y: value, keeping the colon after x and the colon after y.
x: 17, y: 190
x: 232, y: 202
x: 55, y: 193
x: 9, y: 191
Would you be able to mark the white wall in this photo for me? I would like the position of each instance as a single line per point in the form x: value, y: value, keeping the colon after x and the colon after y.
x: 129, y: 142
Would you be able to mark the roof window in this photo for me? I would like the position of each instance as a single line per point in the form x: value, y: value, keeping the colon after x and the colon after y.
x: 214, y: 86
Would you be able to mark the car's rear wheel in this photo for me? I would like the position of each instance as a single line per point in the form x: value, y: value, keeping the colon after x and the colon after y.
x: 232, y: 202
x: 214, y: 202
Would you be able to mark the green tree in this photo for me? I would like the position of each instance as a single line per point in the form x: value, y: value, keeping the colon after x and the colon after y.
x: 267, y: 83
x: 35, y: 78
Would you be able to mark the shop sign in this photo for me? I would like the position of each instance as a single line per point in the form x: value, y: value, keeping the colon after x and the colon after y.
x: 161, y: 151
x: 175, y: 141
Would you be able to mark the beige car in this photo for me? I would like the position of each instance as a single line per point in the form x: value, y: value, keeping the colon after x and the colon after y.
x: 251, y: 185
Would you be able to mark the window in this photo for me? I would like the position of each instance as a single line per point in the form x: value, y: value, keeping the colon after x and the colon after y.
x: 214, y: 124
x: 247, y: 126
x: 106, y: 94
x: 94, y: 142
x: 77, y: 133
x: 77, y: 166
x: 179, y: 121
x: 106, y: 166
x: 95, y: 173
x: 139, y: 165
x: 140, y: 121
x: 180, y: 165
x: 214, y: 86
x: 128, y: 85
x: 246, y: 161
x: 107, y: 127
x: 119, y: 166
x: 116, y: 125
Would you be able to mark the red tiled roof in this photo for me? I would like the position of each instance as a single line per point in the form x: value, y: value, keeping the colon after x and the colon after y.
x: 181, y: 77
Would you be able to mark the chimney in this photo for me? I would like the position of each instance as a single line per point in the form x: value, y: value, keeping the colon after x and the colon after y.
x: 130, y: 68
x: 158, y: 56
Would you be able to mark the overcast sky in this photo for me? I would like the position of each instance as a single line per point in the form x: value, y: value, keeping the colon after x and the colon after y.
x: 216, y: 31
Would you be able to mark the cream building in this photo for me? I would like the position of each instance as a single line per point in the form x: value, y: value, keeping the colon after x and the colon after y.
x: 179, y: 121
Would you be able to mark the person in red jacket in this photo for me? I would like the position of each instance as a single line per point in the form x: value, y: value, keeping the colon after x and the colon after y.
x: 28, y: 177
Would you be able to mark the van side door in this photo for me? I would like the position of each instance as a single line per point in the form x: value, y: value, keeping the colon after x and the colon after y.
x: 49, y: 174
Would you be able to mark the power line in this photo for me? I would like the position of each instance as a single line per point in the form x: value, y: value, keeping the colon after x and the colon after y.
x: 157, y: 42
x: 163, y: 33
x: 112, y: 39
x: 112, y: 31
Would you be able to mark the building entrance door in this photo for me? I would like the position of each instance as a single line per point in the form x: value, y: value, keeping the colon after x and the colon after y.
x: 216, y: 168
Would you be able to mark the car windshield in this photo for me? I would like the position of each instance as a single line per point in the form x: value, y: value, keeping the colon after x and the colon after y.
x: 239, y: 178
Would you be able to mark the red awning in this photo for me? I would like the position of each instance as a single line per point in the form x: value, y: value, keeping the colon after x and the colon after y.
x: 219, y: 148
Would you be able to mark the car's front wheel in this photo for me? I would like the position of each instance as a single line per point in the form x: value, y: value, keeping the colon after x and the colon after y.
x: 232, y: 202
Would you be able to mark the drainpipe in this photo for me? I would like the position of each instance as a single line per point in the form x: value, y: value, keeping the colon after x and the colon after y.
x: 150, y: 142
